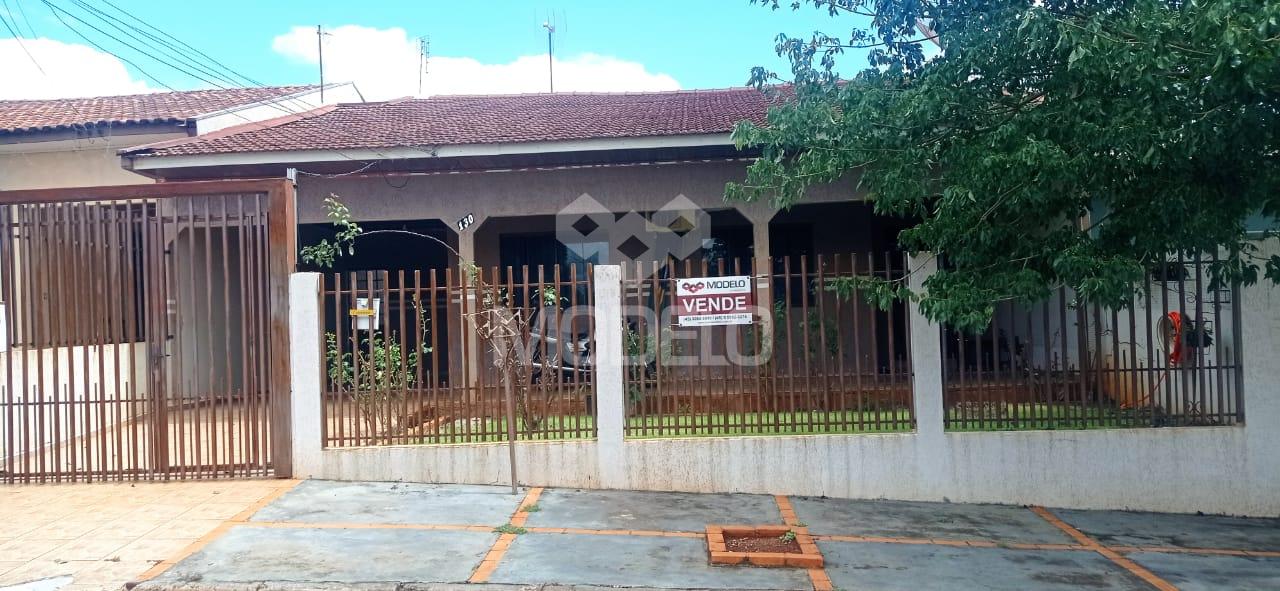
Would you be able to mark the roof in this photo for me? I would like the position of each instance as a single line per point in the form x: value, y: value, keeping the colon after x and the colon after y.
x: 487, y: 119
x: 160, y: 107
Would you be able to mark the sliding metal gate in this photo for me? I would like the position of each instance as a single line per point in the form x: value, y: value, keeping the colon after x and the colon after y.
x: 144, y: 332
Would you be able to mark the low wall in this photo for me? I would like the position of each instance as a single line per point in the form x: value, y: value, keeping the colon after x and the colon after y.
x: 1225, y: 470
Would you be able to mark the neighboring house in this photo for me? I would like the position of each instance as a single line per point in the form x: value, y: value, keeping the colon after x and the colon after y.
x: 73, y: 142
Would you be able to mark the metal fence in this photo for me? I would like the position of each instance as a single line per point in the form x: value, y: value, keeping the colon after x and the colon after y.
x: 811, y: 361
x: 1171, y: 357
x: 449, y: 356
x: 138, y: 327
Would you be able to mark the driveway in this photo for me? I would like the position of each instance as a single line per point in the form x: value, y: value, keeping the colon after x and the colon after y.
x: 100, y: 536
x: 333, y: 535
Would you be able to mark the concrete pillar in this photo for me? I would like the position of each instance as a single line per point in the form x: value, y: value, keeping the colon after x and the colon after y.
x: 611, y: 411
x: 466, y: 258
x: 1260, y: 347
x: 306, y: 372
x: 764, y: 277
x: 926, y: 356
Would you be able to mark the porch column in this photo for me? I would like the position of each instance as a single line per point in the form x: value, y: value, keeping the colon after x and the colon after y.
x: 466, y: 258
x: 763, y: 271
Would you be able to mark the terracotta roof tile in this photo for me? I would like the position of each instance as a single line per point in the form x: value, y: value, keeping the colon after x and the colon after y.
x: 160, y: 107
x: 490, y: 119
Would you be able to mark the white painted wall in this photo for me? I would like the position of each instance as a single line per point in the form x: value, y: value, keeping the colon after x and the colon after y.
x: 1226, y: 470
x: 85, y: 374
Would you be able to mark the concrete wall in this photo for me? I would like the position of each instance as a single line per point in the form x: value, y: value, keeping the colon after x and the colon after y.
x: 1226, y: 470
x: 85, y: 373
x: 72, y: 163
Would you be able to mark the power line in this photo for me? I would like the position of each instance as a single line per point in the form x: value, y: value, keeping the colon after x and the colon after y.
x: 58, y: 11
x: 55, y: 10
x: 202, y: 54
x: 185, y: 57
x: 129, y: 31
x: 17, y: 37
x: 23, y: 12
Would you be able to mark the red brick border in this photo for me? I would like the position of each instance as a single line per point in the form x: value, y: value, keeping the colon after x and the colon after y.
x: 809, y: 557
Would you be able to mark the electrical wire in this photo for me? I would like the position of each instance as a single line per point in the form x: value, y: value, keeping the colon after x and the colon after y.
x: 58, y: 12
x: 18, y: 38
x: 166, y: 53
x: 23, y: 12
x: 233, y: 74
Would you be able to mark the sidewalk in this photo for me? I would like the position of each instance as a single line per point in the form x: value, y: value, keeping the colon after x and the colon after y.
x: 106, y: 534
x: 331, y: 535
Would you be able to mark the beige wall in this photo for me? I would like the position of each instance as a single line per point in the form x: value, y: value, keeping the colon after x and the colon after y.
x: 518, y: 193
x: 71, y: 163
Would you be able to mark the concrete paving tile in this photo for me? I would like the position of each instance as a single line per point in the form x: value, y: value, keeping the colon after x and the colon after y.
x: 86, y: 548
x: 184, y: 528
x: 666, y: 511
x: 67, y: 529
x: 906, y: 519
x: 255, y: 554
x: 911, y: 567
x: 318, y: 501
x: 1197, y: 572
x: 111, y: 575
x: 1126, y: 528
x: 29, y: 548
x: 160, y: 511
x: 626, y: 561
x: 216, y: 510
x: 152, y: 549
x: 8, y: 565
x: 127, y: 528
x: 40, y: 569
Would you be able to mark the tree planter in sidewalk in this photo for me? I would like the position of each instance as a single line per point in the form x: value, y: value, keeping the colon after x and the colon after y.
x: 762, y: 545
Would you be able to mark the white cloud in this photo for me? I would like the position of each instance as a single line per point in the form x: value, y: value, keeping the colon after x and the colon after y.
x: 69, y: 70
x: 384, y: 64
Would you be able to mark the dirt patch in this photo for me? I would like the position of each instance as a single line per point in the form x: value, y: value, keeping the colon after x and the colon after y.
x: 761, y: 544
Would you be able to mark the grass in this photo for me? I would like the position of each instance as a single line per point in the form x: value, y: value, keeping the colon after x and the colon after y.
x: 991, y: 417
x: 532, y: 508
x: 507, y: 528
x: 1041, y: 417
x: 770, y: 423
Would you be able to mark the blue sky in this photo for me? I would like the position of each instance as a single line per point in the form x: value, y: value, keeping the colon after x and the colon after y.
x: 690, y: 43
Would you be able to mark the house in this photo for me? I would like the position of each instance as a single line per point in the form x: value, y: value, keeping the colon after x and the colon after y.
x: 545, y: 179
x: 72, y: 142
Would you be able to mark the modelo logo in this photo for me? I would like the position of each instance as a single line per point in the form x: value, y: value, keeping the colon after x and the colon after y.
x: 713, y: 284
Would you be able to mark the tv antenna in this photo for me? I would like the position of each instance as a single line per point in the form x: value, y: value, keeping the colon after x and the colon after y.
x: 424, y: 59
x: 550, y: 26
x: 320, y: 35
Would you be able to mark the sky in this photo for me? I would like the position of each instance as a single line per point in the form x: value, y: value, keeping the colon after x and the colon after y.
x: 475, y: 47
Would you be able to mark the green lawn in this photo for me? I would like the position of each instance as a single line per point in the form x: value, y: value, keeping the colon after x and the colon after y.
x: 1020, y: 417
x: 1031, y: 417
x: 769, y: 423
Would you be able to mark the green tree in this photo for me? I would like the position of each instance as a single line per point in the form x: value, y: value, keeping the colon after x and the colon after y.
x: 1036, y: 143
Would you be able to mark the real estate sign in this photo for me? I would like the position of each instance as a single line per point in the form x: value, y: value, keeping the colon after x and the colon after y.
x: 712, y: 301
